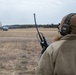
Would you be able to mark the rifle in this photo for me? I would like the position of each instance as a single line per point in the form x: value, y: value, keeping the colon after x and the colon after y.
x: 41, y: 38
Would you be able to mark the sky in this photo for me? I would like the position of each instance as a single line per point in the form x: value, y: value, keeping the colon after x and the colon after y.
x: 46, y: 11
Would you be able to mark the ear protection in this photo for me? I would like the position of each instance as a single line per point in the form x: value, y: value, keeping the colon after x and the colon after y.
x: 66, y: 28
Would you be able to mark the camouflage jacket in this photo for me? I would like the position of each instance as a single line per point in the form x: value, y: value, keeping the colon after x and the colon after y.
x: 59, y: 58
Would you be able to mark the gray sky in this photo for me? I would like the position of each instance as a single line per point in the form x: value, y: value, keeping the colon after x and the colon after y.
x: 47, y: 11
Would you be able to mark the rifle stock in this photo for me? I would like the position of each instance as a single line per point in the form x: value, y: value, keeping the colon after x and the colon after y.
x: 42, y: 39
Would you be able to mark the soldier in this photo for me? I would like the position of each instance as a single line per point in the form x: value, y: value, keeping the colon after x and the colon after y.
x: 60, y: 57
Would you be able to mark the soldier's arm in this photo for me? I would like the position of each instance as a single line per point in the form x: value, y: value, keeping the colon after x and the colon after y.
x: 45, y: 65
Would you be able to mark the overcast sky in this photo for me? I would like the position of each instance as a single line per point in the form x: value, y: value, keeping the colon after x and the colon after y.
x: 47, y: 11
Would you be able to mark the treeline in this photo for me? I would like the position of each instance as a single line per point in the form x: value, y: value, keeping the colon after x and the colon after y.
x: 32, y: 26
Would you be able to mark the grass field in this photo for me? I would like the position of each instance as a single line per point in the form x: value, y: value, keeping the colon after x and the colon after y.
x: 20, y: 50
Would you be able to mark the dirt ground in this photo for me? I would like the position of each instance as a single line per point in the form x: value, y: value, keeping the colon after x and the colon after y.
x: 20, y: 50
